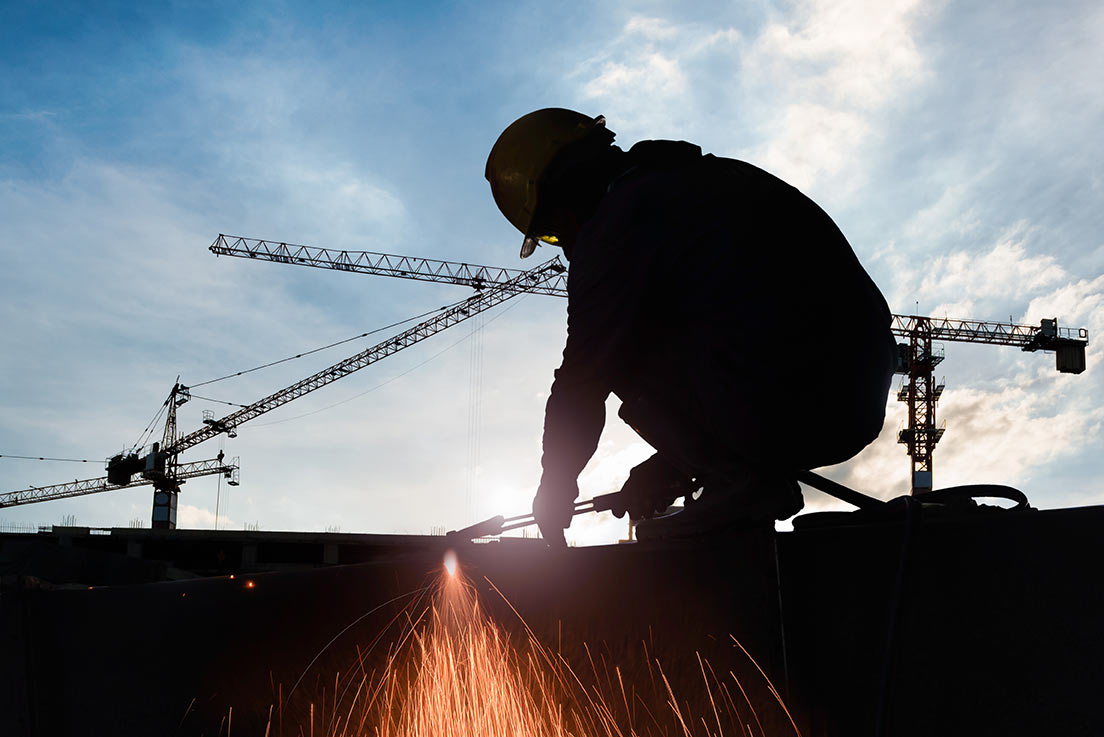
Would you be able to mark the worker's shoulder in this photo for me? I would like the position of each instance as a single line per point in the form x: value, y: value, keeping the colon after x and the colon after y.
x: 655, y: 168
x: 662, y: 160
x: 660, y: 154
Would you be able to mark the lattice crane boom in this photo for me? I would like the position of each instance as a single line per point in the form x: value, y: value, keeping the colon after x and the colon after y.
x: 1047, y: 336
x: 383, y: 264
x: 917, y: 358
x: 523, y: 282
x: 78, y: 487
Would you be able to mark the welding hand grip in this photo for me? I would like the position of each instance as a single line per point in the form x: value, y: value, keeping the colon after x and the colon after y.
x: 486, y: 528
x: 499, y: 524
x: 600, y: 503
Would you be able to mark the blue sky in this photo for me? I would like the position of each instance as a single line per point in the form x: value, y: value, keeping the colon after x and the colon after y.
x: 957, y: 146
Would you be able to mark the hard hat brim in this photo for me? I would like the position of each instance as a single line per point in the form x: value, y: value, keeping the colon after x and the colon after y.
x: 528, y: 246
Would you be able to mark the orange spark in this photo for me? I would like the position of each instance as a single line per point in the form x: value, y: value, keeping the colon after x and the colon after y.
x: 454, y: 673
x: 465, y: 679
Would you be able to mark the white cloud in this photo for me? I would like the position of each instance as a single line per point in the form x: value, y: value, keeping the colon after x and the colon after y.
x: 651, y: 29
x: 30, y: 115
x: 963, y: 282
x: 1005, y: 435
x: 854, y: 54
x: 950, y: 214
x: 812, y: 141
x: 801, y: 97
x: 1006, y: 270
x: 337, y: 196
x: 640, y: 81
x: 619, y: 451
x: 1078, y: 302
x: 824, y: 72
x: 881, y: 469
x: 192, y: 517
x: 653, y: 71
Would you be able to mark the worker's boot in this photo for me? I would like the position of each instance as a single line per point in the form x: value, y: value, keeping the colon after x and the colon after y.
x: 729, y: 503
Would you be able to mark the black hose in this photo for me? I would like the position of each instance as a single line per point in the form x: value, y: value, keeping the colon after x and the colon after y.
x: 839, y: 491
x: 977, y: 491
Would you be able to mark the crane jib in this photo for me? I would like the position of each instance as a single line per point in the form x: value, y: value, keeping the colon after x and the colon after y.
x: 523, y: 282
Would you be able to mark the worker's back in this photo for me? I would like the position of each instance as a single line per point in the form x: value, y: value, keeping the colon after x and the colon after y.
x: 716, y: 262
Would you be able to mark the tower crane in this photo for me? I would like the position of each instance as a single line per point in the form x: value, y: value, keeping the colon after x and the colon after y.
x: 161, y: 467
x: 162, y: 470
x: 917, y: 358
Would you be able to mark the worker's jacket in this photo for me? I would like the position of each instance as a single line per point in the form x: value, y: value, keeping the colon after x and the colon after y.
x: 727, y: 311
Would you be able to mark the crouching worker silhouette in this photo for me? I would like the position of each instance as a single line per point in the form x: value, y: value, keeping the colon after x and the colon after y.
x: 723, y: 307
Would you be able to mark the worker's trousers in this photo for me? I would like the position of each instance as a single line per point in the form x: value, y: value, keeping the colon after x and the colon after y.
x: 708, y: 414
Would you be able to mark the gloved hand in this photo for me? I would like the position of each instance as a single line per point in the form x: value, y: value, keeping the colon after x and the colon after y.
x: 552, y: 508
x: 653, y: 486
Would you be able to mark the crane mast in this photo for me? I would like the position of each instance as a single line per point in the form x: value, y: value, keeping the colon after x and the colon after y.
x: 917, y: 355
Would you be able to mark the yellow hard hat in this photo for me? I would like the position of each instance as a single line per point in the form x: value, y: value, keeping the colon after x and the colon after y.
x: 520, y: 157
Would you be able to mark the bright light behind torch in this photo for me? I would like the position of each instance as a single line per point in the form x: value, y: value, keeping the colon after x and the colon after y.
x: 450, y: 563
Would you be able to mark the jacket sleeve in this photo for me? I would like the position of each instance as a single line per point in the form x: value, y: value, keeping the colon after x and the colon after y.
x: 606, y: 287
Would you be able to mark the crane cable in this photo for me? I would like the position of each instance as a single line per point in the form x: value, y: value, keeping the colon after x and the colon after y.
x: 218, y: 401
x: 153, y: 422
x: 476, y: 329
x: 521, y: 298
x: 475, y: 408
x: 149, y: 428
x: 47, y: 458
x: 331, y: 345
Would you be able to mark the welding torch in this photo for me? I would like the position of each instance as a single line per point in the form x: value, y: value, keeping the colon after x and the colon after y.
x: 499, y: 524
x: 604, y: 502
